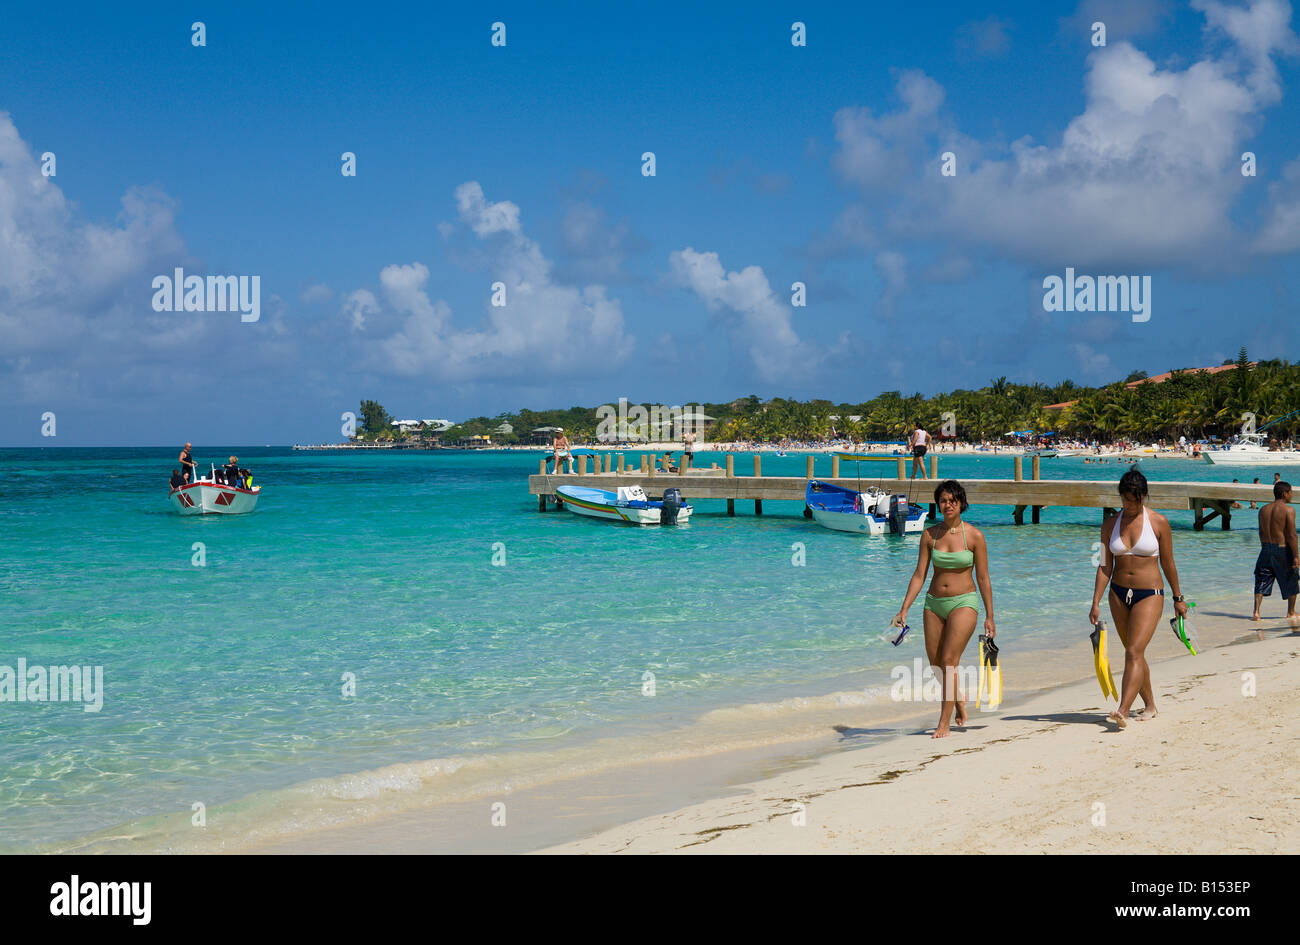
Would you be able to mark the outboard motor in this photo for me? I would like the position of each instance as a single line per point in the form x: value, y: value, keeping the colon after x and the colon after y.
x: 898, y: 510
x: 672, y: 505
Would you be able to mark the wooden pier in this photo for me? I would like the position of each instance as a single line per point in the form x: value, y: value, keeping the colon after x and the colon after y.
x: 1207, y: 500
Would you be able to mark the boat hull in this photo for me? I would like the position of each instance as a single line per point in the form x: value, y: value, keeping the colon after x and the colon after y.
x: 857, y: 522
x: 204, y: 498
x: 596, y: 503
x: 1252, y: 457
x: 844, y: 510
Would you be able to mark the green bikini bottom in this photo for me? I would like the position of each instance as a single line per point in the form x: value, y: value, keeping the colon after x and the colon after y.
x: 941, y: 607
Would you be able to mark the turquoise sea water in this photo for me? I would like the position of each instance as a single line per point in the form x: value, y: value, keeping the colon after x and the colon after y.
x: 225, y: 680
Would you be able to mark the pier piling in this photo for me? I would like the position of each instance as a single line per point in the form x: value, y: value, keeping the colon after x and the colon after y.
x: 1206, y: 500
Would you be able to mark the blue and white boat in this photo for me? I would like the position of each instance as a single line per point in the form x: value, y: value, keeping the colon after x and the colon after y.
x: 629, y: 504
x: 872, y: 512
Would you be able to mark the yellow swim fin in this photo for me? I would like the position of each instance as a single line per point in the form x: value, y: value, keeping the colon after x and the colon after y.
x: 990, y: 675
x: 1101, y: 663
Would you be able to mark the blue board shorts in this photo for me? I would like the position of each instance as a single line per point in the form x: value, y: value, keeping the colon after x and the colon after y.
x: 1274, y: 564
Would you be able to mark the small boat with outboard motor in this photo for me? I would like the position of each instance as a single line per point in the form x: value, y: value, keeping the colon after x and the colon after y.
x: 871, y: 512
x: 216, y: 494
x: 628, y: 504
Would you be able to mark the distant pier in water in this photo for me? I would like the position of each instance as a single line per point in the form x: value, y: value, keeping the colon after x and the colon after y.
x: 1206, y: 500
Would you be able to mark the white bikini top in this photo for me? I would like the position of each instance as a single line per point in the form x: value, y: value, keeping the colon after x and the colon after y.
x: 1146, y: 546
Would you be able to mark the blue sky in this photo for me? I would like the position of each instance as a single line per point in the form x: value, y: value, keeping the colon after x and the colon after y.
x: 522, y: 164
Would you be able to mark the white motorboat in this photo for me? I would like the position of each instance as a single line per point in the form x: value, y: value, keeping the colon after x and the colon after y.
x: 872, y: 512
x: 629, y: 504
x: 208, y: 497
x: 1251, y: 449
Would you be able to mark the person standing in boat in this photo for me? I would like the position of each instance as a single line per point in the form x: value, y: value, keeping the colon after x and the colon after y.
x: 918, y: 443
x: 959, y: 554
x: 187, y: 463
x: 1136, y: 545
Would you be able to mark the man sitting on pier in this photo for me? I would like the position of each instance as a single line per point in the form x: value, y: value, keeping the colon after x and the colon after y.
x: 1279, y: 558
x: 561, y: 445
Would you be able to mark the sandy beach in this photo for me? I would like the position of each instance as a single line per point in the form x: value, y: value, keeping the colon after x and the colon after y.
x: 1214, y: 773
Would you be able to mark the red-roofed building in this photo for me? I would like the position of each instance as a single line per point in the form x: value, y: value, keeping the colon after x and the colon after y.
x: 1160, y: 379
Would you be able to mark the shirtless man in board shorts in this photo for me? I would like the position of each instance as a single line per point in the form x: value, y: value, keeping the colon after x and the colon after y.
x: 1278, y: 558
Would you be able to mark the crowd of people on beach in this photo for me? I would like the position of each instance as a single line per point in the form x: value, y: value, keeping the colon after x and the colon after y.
x: 1136, y: 547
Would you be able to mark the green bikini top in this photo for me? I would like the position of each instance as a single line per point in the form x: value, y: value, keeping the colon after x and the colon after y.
x: 953, y: 560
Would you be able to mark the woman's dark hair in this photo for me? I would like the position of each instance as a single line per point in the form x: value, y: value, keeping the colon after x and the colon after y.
x: 953, y: 488
x: 1134, y: 484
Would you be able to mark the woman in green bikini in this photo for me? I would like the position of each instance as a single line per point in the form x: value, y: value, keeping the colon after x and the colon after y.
x: 960, y: 557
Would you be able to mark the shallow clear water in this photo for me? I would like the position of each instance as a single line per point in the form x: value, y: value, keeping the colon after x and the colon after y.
x: 225, y: 680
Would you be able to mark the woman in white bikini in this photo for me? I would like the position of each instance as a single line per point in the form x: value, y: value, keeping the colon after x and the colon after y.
x: 1136, y: 545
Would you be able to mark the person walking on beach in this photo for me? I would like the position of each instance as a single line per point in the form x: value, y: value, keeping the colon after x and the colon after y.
x: 1136, y: 545
x: 1279, y: 558
x: 960, y: 558
x: 918, y: 442
x: 561, y: 446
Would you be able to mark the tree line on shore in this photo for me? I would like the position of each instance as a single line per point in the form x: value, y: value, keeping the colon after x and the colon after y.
x: 1191, y: 403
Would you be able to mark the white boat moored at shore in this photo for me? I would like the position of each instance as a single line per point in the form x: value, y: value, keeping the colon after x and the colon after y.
x: 1251, y: 449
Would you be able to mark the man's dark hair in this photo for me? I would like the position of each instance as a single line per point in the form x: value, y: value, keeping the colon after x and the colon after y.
x: 953, y: 488
x: 1134, y: 484
x: 1281, y: 488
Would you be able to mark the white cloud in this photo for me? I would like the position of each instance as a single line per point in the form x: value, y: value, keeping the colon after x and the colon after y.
x: 358, y: 306
x: 891, y: 267
x: 545, y: 327
x: 763, y: 328
x: 879, y: 151
x: 1281, y: 230
x: 1259, y: 30
x: 1146, y: 175
x: 1093, y: 363
x: 987, y: 37
x: 594, y: 250
x: 74, y: 295
x: 951, y: 268
x: 316, y: 293
x: 1124, y: 19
